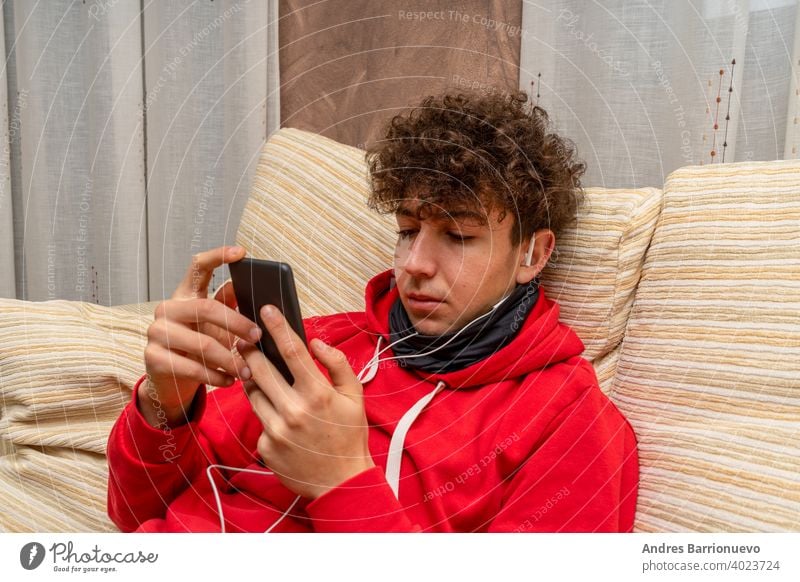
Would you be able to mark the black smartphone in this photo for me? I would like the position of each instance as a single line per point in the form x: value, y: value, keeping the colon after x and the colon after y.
x: 257, y: 283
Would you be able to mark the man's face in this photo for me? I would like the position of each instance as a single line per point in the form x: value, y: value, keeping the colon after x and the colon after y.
x: 452, y: 267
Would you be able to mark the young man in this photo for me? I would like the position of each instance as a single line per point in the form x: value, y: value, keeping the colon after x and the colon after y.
x: 455, y: 402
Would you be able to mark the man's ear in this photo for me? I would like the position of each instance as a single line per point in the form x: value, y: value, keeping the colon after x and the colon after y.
x: 544, y: 241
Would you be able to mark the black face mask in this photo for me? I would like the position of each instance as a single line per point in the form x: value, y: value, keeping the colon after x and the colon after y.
x: 476, y: 341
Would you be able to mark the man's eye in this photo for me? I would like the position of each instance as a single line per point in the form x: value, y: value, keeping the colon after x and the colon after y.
x: 407, y: 233
x: 456, y: 236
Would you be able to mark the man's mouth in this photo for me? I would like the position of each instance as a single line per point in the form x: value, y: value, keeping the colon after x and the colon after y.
x: 421, y: 302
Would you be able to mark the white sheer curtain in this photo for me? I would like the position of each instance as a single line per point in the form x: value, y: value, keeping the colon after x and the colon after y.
x: 7, y: 282
x: 134, y: 127
x: 635, y: 83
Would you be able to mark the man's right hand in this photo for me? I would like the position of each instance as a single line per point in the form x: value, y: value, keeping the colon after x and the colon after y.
x: 191, y: 337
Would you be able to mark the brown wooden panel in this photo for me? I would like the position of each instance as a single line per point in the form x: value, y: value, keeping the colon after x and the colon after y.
x: 346, y: 66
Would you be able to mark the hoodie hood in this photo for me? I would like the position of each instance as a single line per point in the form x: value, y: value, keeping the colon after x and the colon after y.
x: 542, y: 341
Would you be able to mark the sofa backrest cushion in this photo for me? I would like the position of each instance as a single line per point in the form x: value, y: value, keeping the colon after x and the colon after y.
x: 709, y: 371
x: 308, y: 208
x: 598, y: 263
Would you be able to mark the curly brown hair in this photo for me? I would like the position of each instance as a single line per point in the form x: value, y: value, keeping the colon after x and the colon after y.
x: 470, y: 150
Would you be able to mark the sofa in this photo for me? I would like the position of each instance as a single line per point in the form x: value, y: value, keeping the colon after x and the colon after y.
x: 686, y: 298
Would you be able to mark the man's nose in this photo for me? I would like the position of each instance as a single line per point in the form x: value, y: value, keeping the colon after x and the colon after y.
x: 419, y: 258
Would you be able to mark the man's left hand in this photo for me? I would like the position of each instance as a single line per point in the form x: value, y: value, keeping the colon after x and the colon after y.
x: 315, y: 434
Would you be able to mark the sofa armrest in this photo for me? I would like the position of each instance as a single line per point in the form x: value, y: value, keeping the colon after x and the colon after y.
x: 708, y: 371
x: 67, y: 369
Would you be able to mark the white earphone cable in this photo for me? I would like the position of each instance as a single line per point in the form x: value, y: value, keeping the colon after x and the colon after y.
x: 219, y: 501
x: 374, y: 361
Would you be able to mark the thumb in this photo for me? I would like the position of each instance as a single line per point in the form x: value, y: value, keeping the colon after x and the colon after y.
x: 342, y: 375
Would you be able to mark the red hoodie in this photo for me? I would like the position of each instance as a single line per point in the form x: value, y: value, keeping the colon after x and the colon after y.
x: 523, y: 440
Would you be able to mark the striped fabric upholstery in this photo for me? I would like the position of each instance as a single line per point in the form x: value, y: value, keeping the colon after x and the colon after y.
x: 606, y: 367
x: 66, y: 371
x: 709, y: 371
x: 598, y: 263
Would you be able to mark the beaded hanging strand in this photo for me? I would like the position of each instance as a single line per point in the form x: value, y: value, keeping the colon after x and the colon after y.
x: 536, y: 83
x: 795, y: 120
x: 716, y: 115
x: 728, y: 114
x: 95, y: 290
x: 710, y: 86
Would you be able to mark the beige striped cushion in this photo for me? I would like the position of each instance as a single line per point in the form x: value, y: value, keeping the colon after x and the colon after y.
x: 709, y: 372
x: 61, y: 491
x: 66, y: 371
x: 594, y: 274
x: 308, y: 208
x: 606, y: 367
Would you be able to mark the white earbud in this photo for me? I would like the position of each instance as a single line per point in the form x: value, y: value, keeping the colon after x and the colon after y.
x: 529, y: 254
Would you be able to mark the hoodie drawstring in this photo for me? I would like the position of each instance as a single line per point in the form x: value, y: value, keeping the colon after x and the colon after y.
x: 395, y: 455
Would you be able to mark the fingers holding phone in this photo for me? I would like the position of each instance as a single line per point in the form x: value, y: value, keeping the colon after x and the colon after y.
x: 179, y: 357
x: 227, y: 297
x: 190, y: 342
x: 195, y: 286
